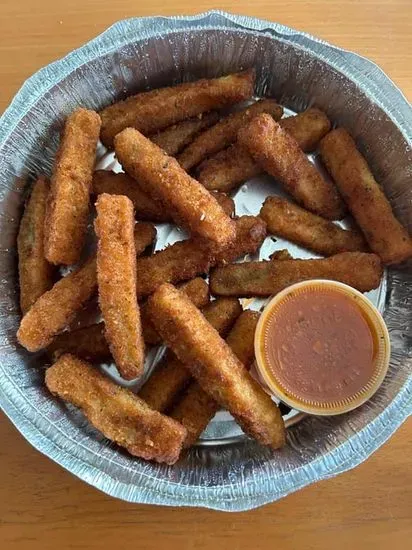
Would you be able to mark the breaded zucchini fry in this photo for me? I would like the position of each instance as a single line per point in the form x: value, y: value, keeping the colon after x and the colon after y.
x: 365, y: 198
x: 35, y: 272
x: 146, y: 208
x: 241, y: 338
x: 149, y: 112
x: 170, y: 378
x: 279, y: 154
x: 57, y: 307
x: 179, y: 262
x: 186, y: 259
x: 250, y: 234
x: 197, y: 290
x: 216, y: 368
x: 228, y: 169
x: 144, y: 234
x: 115, y: 411
x: 194, y: 411
x: 307, y: 128
x: 187, y: 201
x: 233, y: 166
x: 224, y: 133
x: 226, y: 202
x: 176, y: 137
x: 196, y: 408
x: 280, y: 255
x: 88, y: 343
x: 289, y: 221
x: 116, y: 277
x: 358, y: 269
x: 68, y: 204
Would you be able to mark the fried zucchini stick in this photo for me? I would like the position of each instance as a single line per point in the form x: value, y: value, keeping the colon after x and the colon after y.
x: 365, y: 198
x: 68, y: 204
x: 170, y: 378
x: 35, y: 272
x: 196, y: 408
x: 187, y: 201
x: 177, y: 137
x: 358, y: 269
x: 289, y: 221
x: 149, y: 112
x: 242, y: 336
x: 224, y: 133
x: 279, y: 154
x: 115, y: 411
x: 186, y: 259
x: 250, y: 234
x: 307, y: 128
x: 282, y: 254
x: 197, y: 290
x: 233, y: 166
x: 146, y: 208
x: 88, y: 343
x: 116, y: 277
x: 179, y: 262
x: 144, y: 235
x: 57, y: 307
x: 216, y: 368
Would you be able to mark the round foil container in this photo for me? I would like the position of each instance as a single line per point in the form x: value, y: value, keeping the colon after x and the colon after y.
x: 229, y: 473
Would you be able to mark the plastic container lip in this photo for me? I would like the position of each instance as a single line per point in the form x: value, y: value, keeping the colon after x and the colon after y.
x: 383, y: 352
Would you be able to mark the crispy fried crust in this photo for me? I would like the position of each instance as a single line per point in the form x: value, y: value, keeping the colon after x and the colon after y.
x: 88, y: 343
x: 116, y: 276
x: 230, y: 168
x: 226, y: 202
x: 144, y: 235
x: 68, y: 203
x: 194, y: 411
x: 115, y: 411
x: 187, y: 201
x: 171, y: 377
x: 282, y: 254
x: 176, y: 137
x: 279, y: 154
x: 224, y: 133
x: 216, y: 368
x: 56, y: 308
x: 242, y: 336
x: 186, y: 259
x: 197, y: 290
x: 35, y: 272
x: 146, y: 208
x: 307, y: 128
x: 250, y: 234
x: 149, y: 112
x: 179, y: 262
x: 289, y: 221
x: 196, y: 408
x: 358, y: 269
x: 365, y: 198
x: 165, y: 384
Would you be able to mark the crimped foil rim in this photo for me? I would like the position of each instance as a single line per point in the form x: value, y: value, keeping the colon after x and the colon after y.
x: 242, y: 494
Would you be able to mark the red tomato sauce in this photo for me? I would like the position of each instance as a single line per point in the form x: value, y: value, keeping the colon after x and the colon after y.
x: 319, y: 346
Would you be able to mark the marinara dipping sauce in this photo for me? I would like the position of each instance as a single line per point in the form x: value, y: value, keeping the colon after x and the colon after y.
x: 322, y: 347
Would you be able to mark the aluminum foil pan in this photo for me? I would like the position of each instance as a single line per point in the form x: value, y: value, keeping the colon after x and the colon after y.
x: 300, y: 71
